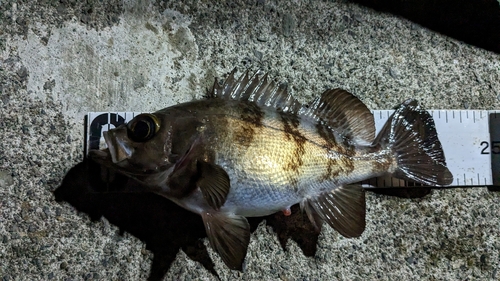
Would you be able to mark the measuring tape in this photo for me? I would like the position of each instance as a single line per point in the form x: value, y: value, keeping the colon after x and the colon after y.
x: 470, y: 140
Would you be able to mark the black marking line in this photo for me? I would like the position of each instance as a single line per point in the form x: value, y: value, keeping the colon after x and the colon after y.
x: 292, y: 133
x: 252, y: 117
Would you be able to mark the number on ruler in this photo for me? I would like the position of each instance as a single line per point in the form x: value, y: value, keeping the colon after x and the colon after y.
x: 495, y: 147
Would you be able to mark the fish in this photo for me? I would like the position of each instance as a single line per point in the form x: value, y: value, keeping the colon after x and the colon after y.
x: 250, y: 149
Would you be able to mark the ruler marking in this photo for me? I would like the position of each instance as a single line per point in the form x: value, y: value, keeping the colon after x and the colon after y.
x: 460, y: 116
x: 109, y: 120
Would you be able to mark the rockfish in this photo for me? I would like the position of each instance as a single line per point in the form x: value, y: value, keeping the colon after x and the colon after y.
x: 251, y: 149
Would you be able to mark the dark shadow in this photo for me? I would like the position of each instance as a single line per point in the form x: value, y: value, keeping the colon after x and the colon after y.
x: 387, y: 185
x: 296, y: 227
x: 476, y: 22
x: 403, y: 192
x: 494, y: 188
x: 161, y: 224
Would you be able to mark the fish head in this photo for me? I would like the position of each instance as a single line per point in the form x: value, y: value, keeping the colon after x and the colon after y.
x: 140, y: 149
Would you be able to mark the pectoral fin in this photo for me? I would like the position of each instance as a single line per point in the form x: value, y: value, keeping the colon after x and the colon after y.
x: 342, y: 208
x: 229, y: 235
x: 213, y: 183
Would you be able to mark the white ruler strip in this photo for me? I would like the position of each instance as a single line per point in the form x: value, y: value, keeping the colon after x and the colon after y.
x: 470, y: 140
x: 465, y: 137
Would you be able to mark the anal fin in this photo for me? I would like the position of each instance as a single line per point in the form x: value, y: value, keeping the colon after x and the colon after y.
x: 343, y: 209
x: 229, y: 235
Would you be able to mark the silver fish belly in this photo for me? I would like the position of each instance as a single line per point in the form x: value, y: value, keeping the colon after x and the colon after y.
x: 251, y: 149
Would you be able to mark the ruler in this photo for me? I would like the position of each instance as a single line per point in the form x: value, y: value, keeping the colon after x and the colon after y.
x: 470, y: 140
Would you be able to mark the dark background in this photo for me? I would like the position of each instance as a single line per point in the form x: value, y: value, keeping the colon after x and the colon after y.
x: 476, y: 22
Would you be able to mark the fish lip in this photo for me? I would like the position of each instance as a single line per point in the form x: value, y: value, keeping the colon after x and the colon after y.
x: 99, y: 154
x: 111, y: 148
x: 108, y: 155
x: 117, y: 155
x: 119, y: 147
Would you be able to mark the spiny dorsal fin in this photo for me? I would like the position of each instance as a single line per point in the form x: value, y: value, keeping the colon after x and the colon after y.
x: 344, y: 113
x: 260, y: 90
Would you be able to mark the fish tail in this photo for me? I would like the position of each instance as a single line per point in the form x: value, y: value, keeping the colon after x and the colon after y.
x: 411, y: 135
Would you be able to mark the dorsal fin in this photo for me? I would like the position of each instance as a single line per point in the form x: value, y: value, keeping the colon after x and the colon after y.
x: 260, y: 90
x: 344, y: 113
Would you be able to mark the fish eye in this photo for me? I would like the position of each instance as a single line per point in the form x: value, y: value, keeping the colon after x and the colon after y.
x: 143, y: 127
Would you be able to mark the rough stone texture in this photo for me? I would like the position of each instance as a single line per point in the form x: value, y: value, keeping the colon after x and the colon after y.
x: 59, y: 60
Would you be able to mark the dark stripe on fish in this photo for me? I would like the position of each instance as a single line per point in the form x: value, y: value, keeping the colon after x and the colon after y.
x: 326, y: 133
x: 251, y: 115
x: 335, y: 166
x: 292, y: 133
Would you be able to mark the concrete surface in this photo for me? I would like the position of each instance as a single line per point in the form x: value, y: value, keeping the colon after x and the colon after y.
x: 59, y: 60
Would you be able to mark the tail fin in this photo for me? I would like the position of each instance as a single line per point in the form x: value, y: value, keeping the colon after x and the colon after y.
x: 411, y: 134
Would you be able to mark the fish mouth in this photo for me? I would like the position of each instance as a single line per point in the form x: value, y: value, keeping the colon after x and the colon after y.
x: 100, y: 155
x: 118, y: 148
x: 103, y: 157
x: 107, y: 158
x: 117, y: 153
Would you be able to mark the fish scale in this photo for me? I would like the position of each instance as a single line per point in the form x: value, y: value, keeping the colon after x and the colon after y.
x: 269, y: 155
